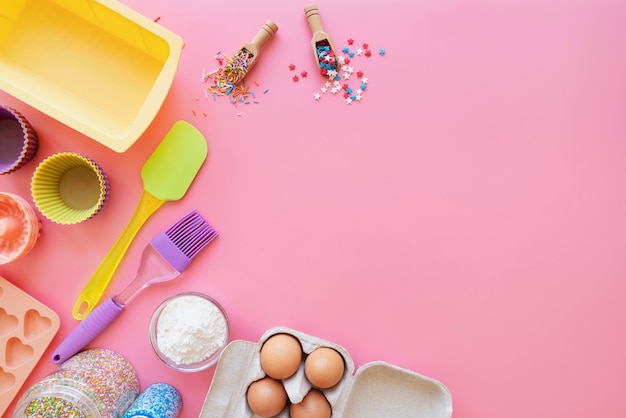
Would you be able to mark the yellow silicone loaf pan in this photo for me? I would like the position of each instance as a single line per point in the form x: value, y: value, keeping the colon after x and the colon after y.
x: 94, y: 65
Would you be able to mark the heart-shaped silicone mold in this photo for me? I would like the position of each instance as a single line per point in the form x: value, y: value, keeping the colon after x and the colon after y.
x: 35, y: 324
x: 8, y: 322
x: 18, y: 353
x: 7, y: 380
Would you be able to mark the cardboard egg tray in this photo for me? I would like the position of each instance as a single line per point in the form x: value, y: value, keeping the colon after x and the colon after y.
x: 375, y: 390
x: 26, y: 329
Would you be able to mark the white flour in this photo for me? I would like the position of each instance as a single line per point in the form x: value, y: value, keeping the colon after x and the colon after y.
x: 190, y: 329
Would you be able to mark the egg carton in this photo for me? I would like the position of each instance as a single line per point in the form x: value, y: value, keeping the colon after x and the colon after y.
x: 376, y: 389
x: 26, y: 329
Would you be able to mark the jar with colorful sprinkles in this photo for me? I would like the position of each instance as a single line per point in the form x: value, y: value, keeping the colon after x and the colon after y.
x: 95, y: 383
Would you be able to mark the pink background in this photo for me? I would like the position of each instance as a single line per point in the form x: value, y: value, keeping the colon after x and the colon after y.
x: 465, y: 220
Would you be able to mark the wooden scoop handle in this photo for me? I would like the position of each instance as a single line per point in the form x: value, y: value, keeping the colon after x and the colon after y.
x: 312, y: 14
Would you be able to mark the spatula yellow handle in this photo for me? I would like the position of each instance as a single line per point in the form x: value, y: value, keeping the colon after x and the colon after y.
x: 93, y: 290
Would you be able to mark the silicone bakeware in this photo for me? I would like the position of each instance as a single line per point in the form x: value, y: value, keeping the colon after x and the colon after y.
x: 94, y: 65
x: 26, y: 329
x: 376, y: 389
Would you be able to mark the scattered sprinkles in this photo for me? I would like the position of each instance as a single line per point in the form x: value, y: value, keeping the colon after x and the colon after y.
x: 229, y: 80
x: 340, y: 71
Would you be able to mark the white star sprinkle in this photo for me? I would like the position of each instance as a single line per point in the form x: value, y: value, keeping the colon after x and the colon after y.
x: 359, y: 51
x: 346, y: 76
x: 332, y: 74
x: 316, y: 96
x: 324, y: 89
x: 348, y: 100
x: 364, y: 80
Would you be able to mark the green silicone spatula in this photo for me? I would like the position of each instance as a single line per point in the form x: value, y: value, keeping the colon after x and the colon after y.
x: 166, y: 176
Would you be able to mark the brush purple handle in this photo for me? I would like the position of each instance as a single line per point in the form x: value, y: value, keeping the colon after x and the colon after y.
x: 88, y: 329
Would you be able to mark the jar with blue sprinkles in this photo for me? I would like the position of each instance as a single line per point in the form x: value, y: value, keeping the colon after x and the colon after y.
x: 159, y: 400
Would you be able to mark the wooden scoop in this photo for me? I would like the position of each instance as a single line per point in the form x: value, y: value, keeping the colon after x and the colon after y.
x: 320, y: 37
x: 253, y: 47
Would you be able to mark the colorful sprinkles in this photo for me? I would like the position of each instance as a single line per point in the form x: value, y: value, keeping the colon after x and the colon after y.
x: 342, y: 78
x: 97, y: 377
x: 158, y: 400
x: 228, y: 80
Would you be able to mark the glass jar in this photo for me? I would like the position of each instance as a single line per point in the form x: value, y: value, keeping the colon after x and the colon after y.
x: 94, y: 383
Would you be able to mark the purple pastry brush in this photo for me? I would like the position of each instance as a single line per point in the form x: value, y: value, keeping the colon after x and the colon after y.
x: 164, y: 259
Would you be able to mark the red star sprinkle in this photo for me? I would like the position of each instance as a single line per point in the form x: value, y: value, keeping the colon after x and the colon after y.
x: 295, y: 78
x: 365, y: 46
x: 304, y: 74
x: 345, y: 86
x: 368, y: 53
x: 359, y: 74
x: 292, y: 67
x: 346, y: 61
x: 346, y: 95
x: 350, y: 41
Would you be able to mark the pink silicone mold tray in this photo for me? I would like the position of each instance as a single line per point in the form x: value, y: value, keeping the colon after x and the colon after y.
x: 26, y: 329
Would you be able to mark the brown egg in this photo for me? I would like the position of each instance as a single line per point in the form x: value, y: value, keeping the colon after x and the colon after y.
x: 313, y: 405
x: 266, y: 397
x: 281, y: 355
x: 324, y: 367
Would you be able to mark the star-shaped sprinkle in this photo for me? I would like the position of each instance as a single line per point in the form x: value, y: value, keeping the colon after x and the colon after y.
x: 304, y: 74
x: 381, y: 51
x: 324, y: 89
x: 364, y: 80
x: 292, y: 67
x: 332, y: 73
x: 345, y: 50
x: 316, y: 96
x: 295, y: 78
x: 346, y: 76
x: 366, y: 46
x: 368, y: 53
x: 350, y: 41
x: 348, y: 100
x: 334, y: 90
x: 359, y: 74
x: 359, y: 51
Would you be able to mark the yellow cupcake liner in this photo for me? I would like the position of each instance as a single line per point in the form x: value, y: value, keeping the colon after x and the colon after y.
x: 69, y: 188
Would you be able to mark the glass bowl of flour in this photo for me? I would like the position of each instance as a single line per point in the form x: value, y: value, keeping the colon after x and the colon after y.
x: 188, y: 331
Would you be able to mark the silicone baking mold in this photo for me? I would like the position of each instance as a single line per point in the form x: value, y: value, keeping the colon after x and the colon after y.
x: 95, y: 65
x: 377, y: 389
x: 26, y: 329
